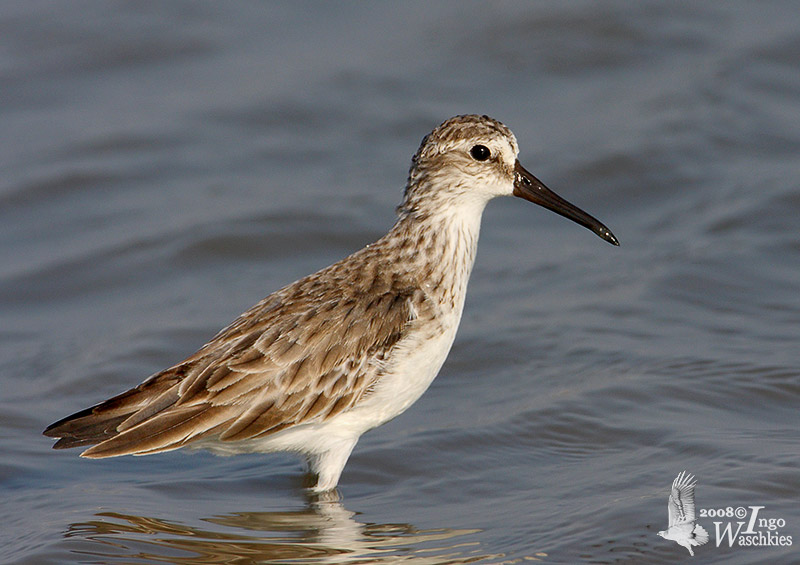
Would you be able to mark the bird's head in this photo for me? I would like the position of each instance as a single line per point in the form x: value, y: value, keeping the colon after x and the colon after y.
x: 468, y: 160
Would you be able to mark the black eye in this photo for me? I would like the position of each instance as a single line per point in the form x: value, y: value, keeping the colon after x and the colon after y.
x: 480, y: 152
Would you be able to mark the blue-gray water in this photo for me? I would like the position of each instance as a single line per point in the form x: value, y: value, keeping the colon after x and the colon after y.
x: 166, y: 165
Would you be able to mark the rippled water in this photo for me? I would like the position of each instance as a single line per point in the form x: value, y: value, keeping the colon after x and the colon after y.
x: 165, y: 166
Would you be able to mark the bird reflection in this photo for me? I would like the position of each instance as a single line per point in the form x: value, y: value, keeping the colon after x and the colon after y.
x: 323, y: 532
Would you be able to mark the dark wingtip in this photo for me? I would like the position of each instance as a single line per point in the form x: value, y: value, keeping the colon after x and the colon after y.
x: 59, y: 429
x: 69, y: 442
x: 83, y: 429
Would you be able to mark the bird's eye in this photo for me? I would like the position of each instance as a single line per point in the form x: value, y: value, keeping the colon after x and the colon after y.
x: 480, y: 152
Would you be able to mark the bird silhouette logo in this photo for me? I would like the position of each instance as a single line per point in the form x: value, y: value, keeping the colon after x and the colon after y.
x: 683, y: 529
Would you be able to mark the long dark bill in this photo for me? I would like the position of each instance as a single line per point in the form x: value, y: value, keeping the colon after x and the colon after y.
x: 530, y: 188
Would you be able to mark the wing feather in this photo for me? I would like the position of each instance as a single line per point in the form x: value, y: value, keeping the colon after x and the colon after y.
x: 304, y: 354
x: 681, y: 500
x: 165, y: 431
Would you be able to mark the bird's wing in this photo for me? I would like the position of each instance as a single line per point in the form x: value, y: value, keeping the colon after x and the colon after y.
x: 681, y: 500
x: 302, y: 355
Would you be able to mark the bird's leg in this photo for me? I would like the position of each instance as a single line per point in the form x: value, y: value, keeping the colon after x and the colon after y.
x: 328, y: 464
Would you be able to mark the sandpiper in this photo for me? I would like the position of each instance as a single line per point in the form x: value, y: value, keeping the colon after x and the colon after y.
x: 319, y: 362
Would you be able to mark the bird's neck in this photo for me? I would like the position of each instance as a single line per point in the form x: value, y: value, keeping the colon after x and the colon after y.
x: 436, y: 248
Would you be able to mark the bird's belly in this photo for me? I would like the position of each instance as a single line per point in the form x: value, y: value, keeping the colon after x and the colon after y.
x: 408, y: 375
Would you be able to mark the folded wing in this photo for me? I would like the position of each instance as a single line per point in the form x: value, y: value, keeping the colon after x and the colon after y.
x: 302, y: 355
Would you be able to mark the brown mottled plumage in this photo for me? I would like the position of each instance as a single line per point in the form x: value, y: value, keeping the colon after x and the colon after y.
x: 319, y: 362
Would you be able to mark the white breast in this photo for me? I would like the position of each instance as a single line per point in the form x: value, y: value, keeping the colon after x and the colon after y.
x: 411, y: 370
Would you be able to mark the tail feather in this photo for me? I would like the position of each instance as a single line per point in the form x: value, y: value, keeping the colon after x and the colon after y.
x: 88, y: 433
x: 700, y: 534
x: 94, y: 424
x: 103, y: 421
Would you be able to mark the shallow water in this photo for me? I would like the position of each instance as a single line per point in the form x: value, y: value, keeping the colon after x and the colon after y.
x: 165, y: 167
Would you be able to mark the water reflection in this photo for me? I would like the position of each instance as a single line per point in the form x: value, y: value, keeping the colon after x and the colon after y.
x: 324, y: 531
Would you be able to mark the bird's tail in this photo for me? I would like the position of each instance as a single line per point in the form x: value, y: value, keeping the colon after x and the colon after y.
x: 700, y: 535
x: 102, y: 421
